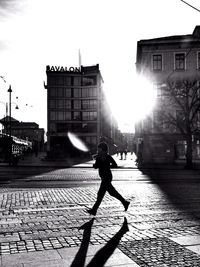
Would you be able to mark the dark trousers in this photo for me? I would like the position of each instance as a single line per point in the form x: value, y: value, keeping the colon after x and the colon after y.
x: 107, y: 186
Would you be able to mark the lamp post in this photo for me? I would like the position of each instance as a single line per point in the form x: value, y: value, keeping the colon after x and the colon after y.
x: 10, y: 144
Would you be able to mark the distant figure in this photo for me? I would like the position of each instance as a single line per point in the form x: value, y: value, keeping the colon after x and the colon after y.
x: 125, y: 153
x: 121, y: 153
x: 104, y: 162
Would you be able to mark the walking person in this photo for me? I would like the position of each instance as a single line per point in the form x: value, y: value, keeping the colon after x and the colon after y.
x: 104, y: 162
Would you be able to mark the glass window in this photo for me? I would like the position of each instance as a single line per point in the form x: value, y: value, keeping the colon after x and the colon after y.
x: 60, y: 92
x: 68, y: 80
x: 61, y: 80
x: 52, y: 127
x: 60, y: 103
x: 157, y: 62
x: 52, y: 115
x: 89, y: 104
x: 92, y: 92
x: 77, y: 81
x: 89, y: 127
x: 67, y: 92
x: 89, y: 116
x: 67, y: 115
x: 60, y: 115
x: 179, y: 61
x: 77, y: 104
x: 52, y: 103
x: 76, y: 127
x: 63, y: 127
x: 77, y: 116
x: 52, y: 92
x: 67, y: 104
x: 89, y: 80
x: 77, y: 92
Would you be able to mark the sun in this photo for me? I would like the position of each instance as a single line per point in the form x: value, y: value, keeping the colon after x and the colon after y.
x: 133, y: 103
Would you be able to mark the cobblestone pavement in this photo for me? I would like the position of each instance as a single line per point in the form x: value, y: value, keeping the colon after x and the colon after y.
x: 164, y: 228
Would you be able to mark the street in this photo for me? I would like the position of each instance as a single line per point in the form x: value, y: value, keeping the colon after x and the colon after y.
x: 42, y: 212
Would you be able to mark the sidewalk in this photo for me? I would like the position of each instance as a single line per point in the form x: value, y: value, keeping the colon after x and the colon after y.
x: 40, y: 161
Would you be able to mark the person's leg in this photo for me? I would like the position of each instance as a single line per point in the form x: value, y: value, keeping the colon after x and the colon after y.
x: 114, y: 193
x: 100, y: 195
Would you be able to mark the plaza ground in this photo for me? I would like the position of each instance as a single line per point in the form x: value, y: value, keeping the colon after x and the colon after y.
x: 43, y: 218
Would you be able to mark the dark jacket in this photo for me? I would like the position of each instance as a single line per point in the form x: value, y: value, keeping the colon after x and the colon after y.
x: 104, y: 163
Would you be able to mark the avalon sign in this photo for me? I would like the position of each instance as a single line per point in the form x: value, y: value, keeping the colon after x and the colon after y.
x: 63, y: 69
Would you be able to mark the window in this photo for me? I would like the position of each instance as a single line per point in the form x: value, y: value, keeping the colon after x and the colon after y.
x: 52, y: 115
x: 67, y: 81
x: 89, y: 80
x: 180, y: 61
x: 77, y: 104
x: 159, y: 89
x: 91, y: 140
x: 63, y: 127
x: 89, y: 127
x: 60, y: 92
x: 76, y: 127
x: 67, y: 104
x: 89, y: 116
x: 89, y: 92
x: 67, y: 92
x: 77, y: 116
x: 67, y: 116
x: 89, y: 104
x: 52, y: 92
x: 60, y: 103
x: 157, y: 62
x: 77, y: 92
x: 52, y: 103
x: 77, y: 81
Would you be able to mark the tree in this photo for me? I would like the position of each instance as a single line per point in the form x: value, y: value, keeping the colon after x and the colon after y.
x: 178, y: 109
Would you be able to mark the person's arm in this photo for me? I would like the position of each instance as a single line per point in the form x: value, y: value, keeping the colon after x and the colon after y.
x: 96, y: 165
x: 113, y: 163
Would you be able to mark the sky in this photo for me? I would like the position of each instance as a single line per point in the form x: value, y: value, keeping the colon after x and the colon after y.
x: 36, y: 33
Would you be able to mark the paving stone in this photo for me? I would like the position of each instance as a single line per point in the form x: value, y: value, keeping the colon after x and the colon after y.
x: 145, y: 252
x: 30, y: 256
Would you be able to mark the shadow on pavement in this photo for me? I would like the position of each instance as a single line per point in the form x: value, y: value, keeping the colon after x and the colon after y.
x: 100, y: 258
x: 181, y: 188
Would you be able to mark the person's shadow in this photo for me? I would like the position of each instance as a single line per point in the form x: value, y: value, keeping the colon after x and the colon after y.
x: 104, y: 253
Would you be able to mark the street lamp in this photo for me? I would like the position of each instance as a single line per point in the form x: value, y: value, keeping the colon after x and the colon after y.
x: 10, y: 145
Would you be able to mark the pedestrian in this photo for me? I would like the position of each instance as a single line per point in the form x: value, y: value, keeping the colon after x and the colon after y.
x: 125, y: 153
x: 104, y: 162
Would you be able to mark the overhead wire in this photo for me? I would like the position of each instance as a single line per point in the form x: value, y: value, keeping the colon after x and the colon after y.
x: 190, y: 5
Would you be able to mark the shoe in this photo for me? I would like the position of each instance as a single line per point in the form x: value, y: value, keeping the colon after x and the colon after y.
x: 126, y: 204
x: 91, y: 212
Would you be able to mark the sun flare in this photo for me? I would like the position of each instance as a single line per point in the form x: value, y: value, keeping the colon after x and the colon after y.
x: 136, y: 102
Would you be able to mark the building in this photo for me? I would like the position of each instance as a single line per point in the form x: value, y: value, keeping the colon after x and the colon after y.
x: 76, y: 103
x: 165, y: 61
x: 28, y: 131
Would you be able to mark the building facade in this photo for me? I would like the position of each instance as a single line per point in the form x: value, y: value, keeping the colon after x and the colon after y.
x: 76, y: 103
x: 165, y: 61
x: 28, y: 131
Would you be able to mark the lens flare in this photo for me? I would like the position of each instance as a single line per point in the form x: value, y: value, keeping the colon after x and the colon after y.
x: 77, y: 142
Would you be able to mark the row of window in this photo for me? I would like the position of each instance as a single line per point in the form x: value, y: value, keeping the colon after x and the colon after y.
x: 72, y: 104
x: 72, y: 80
x: 68, y: 116
x: 62, y: 127
x: 72, y: 92
x: 179, y: 61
